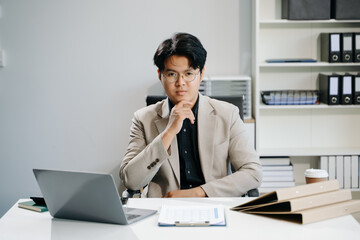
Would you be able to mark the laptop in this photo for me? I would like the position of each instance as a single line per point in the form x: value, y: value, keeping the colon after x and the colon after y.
x: 85, y: 196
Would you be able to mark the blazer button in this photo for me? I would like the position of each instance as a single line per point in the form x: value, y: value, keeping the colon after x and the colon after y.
x: 152, y: 164
x: 157, y: 160
x: 148, y: 167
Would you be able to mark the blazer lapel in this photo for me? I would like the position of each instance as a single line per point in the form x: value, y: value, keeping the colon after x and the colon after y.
x: 206, y: 134
x: 161, y: 125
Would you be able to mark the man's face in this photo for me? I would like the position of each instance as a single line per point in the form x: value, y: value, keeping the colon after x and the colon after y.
x: 180, y: 89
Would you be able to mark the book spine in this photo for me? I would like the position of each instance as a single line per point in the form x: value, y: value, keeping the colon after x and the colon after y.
x: 347, y: 172
x: 332, y: 167
x: 354, y: 172
x: 324, y: 163
x: 340, y: 170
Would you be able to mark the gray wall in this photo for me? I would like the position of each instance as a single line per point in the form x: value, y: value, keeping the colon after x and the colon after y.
x: 76, y: 70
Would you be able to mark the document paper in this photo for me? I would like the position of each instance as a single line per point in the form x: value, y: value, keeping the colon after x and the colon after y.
x: 210, y: 215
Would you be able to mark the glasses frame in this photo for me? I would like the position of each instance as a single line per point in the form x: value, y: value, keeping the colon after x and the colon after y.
x: 180, y: 75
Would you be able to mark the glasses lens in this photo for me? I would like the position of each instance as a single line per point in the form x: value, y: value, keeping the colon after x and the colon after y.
x: 189, y: 76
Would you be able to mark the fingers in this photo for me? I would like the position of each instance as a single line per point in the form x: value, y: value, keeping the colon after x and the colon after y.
x: 183, y: 110
x: 185, y: 104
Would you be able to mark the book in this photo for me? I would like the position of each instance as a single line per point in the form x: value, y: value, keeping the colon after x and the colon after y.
x: 340, y: 170
x: 324, y: 163
x: 278, y: 184
x: 303, y: 204
x: 31, y: 205
x: 347, y: 171
x: 354, y: 171
x: 278, y: 173
x: 211, y: 215
x: 268, y: 161
x: 277, y: 178
x: 291, y: 60
x: 277, y: 168
x: 332, y: 167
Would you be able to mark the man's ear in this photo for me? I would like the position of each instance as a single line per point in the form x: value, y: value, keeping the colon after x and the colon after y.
x: 202, y: 74
x: 159, y: 74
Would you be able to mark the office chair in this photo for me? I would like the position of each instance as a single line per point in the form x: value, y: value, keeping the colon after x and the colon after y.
x: 237, y: 100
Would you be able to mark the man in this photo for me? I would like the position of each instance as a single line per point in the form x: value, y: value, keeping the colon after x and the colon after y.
x: 181, y: 146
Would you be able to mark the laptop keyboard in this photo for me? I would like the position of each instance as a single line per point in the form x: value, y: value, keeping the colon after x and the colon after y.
x: 132, y: 216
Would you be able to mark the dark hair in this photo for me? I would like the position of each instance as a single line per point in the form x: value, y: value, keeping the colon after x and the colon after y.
x: 182, y: 44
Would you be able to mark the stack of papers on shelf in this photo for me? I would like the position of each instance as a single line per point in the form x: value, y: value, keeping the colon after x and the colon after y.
x: 290, y: 97
x: 277, y: 173
x: 209, y: 215
x: 304, y: 204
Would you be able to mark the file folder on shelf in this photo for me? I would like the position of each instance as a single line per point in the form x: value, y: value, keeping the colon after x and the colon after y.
x: 356, y: 45
x: 347, y: 47
x: 330, y: 47
x: 303, y: 204
x: 329, y: 89
x: 346, y: 96
x: 356, y: 88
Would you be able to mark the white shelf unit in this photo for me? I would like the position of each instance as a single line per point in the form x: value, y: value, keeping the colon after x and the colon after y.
x: 308, y: 130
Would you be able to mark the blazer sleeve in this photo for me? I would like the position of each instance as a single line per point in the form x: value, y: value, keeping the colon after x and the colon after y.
x: 142, y: 160
x: 244, y: 159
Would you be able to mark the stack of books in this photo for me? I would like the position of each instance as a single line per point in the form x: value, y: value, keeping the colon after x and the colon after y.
x: 277, y: 173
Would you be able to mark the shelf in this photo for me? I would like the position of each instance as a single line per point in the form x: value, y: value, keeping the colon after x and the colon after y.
x: 298, y: 22
x: 306, y: 152
x: 263, y: 106
x: 317, y: 64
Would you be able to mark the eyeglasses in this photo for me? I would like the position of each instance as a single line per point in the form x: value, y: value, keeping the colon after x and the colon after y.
x: 188, y: 76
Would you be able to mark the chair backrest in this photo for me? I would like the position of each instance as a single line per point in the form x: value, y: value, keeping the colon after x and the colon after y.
x: 237, y: 100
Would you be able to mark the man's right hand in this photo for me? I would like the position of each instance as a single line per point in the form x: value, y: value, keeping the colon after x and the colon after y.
x: 178, y: 114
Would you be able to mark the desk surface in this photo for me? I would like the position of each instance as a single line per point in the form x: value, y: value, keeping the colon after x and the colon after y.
x: 24, y: 224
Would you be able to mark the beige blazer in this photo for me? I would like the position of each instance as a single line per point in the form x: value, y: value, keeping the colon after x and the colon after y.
x: 221, y: 138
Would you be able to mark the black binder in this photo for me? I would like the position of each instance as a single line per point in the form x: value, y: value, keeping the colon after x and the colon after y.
x: 346, y: 95
x: 329, y: 89
x: 345, y: 9
x: 347, y: 47
x: 330, y: 47
x: 305, y: 9
x: 356, y: 47
x: 356, y: 88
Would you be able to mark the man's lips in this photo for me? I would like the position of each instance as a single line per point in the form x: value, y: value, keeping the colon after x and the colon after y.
x: 180, y: 92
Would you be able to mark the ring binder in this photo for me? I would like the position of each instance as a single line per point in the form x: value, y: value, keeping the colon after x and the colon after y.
x: 329, y: 89
x: 356, y: 44
x: 346, y: 89
x: 346, y: 47
x: 330, y: 47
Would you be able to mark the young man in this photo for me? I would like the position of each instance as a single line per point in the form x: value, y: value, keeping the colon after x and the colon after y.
x: 181, y: 146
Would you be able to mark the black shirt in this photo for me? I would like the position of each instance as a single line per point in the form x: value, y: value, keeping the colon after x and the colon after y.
x: 190, y: 169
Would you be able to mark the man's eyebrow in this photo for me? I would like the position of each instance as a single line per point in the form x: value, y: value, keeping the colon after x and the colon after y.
x: 172, y: 70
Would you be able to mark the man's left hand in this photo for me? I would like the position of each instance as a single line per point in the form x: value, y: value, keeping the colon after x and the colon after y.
x: 193, y: 192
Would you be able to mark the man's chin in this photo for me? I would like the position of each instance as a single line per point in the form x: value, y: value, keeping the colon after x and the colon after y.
x: 178, y: 99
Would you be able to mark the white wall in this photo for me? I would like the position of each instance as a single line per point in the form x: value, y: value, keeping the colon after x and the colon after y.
x: 76, y: 70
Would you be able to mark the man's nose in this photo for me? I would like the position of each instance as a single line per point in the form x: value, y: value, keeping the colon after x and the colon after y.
x: 180, y: 80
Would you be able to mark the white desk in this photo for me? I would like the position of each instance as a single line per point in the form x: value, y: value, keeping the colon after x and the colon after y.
x: 24, y: 224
